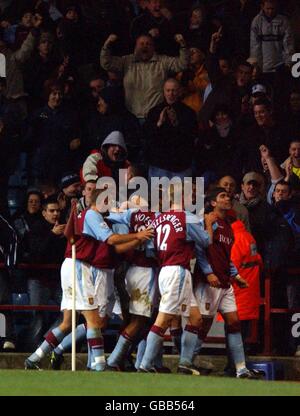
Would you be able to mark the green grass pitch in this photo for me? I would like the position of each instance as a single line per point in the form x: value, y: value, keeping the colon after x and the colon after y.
x: 81, y: 383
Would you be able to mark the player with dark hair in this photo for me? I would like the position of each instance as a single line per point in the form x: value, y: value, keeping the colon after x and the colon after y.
x: 214, y: 292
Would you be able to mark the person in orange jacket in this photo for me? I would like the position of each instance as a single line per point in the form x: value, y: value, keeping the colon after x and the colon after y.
x: 194, y: 80
x: 248, y: 262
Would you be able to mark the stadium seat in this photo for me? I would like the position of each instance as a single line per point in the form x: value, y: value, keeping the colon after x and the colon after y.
x: 20, y: 299
x: 273, y: 370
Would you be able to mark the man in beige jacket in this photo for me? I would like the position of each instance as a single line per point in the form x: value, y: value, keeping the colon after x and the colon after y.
x: 144, y: 72
x: 13, y: 65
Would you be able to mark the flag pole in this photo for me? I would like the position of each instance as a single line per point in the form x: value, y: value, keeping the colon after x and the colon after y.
x: 70, y: 233
x: 73, y: 307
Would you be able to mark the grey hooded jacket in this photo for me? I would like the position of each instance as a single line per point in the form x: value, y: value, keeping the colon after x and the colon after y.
x: 271, y: 41
x: 89, y: 170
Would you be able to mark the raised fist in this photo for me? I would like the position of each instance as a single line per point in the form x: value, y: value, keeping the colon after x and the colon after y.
x: 179, y: 39
x: 111, y: 39
x: 264, y: 151
x: 37, y: 20
x: 154, y: 32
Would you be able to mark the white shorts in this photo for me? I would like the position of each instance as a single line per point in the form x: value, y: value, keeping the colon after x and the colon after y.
x: 104, y: 290
x: 175, y: 286
x: 194, y: 302
x: 85, y: 288
x: 141, y: 285
x: 212, y: 300
x: 117, y: 310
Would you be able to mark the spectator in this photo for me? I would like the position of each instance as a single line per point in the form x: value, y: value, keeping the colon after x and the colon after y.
x: 271, y: 38
x: 96, y: 84
x: 226, y: 89
x: 240, y: 14
x: 54, y: 11
x: 240, y: 211
x: 8, y: 109
x: 282, y: 242
x: 196, y: 29
x: 194, y: 80
x: 253, y: 198
x: 41, y: 9
x: 172, y: 128
x: 47, y: 245
x: 256, y: 70
x: 225, y: 65
x: 14, y: 62
x: 102, y: 18
x: 216, y: 151
x: 24, y: 28
x: 24, y: 221
x: 52, y: 138
x: 47, y: 188
x: 108, y: 161
x: 43, y: 65
x: 292, y: 165
x: 291, y: 117
x: 246, y: 118
x: 260, y: 92
x: 265, y: 131
x: 272, y: 44
x: 73, y: 36
x: 248, y: 262
x: 144, y: 72
x: 289, y: 208
x: 70, y: 188
x: 111, y: 115
x: 154, y: 23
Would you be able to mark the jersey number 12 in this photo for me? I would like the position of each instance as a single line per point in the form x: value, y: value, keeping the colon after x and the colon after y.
x: 163, y: 232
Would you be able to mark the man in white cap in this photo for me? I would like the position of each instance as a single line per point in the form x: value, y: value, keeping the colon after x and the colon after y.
x: 253, y: 198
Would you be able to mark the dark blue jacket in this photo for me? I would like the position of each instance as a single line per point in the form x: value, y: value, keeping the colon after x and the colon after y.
x: 48, y: 141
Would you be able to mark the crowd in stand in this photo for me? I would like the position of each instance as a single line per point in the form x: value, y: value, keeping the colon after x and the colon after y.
x: 162, y: 89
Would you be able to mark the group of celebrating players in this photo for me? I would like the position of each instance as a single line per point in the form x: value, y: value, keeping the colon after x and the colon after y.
x: 163, y: 294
